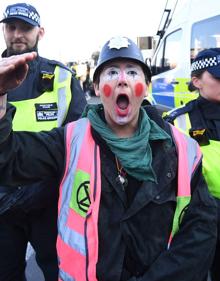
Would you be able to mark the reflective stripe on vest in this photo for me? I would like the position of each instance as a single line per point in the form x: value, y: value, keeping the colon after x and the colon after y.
x: 60, y: 97
x: 78, y: 205
x: 80, y: 190
x: 182, y: 122
x: 189, y: 156
x: 211, y: 155
x: 63, y: 88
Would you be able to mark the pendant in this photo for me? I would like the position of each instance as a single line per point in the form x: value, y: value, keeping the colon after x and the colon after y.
x: 122, y: 180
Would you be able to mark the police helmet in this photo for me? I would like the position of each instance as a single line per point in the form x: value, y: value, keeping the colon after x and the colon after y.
x: 121, y: 48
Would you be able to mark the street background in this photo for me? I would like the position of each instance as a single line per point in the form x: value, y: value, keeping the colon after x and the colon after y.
x: 75, y: 29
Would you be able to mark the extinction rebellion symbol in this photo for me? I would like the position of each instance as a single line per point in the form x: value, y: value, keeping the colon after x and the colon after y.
x: 82, y: 196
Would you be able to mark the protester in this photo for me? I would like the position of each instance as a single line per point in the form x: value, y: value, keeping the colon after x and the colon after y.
x: 49, y: 97
x: 200, y: 119
x: 133, y: 203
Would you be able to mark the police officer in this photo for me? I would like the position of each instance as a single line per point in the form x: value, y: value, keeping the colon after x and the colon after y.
x: 200, y: 119
x: 133, y: 202
x: 49, y: 97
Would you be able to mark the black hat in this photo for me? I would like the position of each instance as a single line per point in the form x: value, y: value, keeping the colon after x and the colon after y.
x: 208, y: 59
x: 121, y: 48
x: 22, y: 11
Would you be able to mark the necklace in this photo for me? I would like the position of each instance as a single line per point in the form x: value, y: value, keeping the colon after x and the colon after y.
x: 121, y: 178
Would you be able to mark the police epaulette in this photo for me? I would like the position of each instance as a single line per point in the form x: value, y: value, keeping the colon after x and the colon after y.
x: 46, y: 74
x: 174, y: 113
x: 54, y: 62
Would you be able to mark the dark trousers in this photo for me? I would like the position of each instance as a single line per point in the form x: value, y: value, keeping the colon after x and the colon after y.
x: 39, y: 227
x: 215, y: 269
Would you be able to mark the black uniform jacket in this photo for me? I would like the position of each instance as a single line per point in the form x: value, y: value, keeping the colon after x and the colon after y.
x: 203, y: 114
x: 134, y: 222
x: 21, y: 198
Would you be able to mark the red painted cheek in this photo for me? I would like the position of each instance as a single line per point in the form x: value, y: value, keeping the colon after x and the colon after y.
x: 107, y: 90
x: 139, y: 88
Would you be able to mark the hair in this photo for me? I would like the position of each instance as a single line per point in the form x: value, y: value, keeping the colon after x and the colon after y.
x: 198, y: 74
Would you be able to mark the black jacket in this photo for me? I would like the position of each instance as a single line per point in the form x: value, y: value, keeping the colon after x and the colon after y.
x: 22, y: 197
x: 135, y: 222
x: 203, y: 114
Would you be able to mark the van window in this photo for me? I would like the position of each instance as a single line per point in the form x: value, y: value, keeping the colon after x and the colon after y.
x: 157, y: 64
x: 166, y: 58
x: 205, y: 34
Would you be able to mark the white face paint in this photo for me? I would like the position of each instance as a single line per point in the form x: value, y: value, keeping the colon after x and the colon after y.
x: 114, y: 73
x: 121, y: 88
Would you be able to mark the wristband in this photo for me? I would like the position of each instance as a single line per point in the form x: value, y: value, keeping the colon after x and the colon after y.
x: 2, y: 94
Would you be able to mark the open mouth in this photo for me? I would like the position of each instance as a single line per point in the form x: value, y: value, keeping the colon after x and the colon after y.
x: 122, y: 104
x: 122, y: 101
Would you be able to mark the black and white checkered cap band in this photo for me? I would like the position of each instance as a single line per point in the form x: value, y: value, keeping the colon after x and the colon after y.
x: 23, y: 12
x: 205, y: 63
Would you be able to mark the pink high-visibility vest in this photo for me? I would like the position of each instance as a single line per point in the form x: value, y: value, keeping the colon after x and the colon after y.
x: 80, y: 190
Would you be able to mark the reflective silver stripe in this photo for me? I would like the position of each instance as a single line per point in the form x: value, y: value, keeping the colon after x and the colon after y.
x: 192, y: 154
x: 63, y: 276
x: 62, y: 92
x: 62, y: 106
x: 180, y: 122
x: 72, y: 238
x: 183, y: 123
x: 63, y: 74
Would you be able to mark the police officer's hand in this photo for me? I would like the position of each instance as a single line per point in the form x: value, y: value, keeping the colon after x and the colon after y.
x: 13, y: 70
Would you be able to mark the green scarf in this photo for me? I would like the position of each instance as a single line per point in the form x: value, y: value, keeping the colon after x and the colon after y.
x: 134, y: 153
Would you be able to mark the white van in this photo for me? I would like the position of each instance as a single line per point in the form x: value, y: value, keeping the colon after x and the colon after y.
x: 195, y: 25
